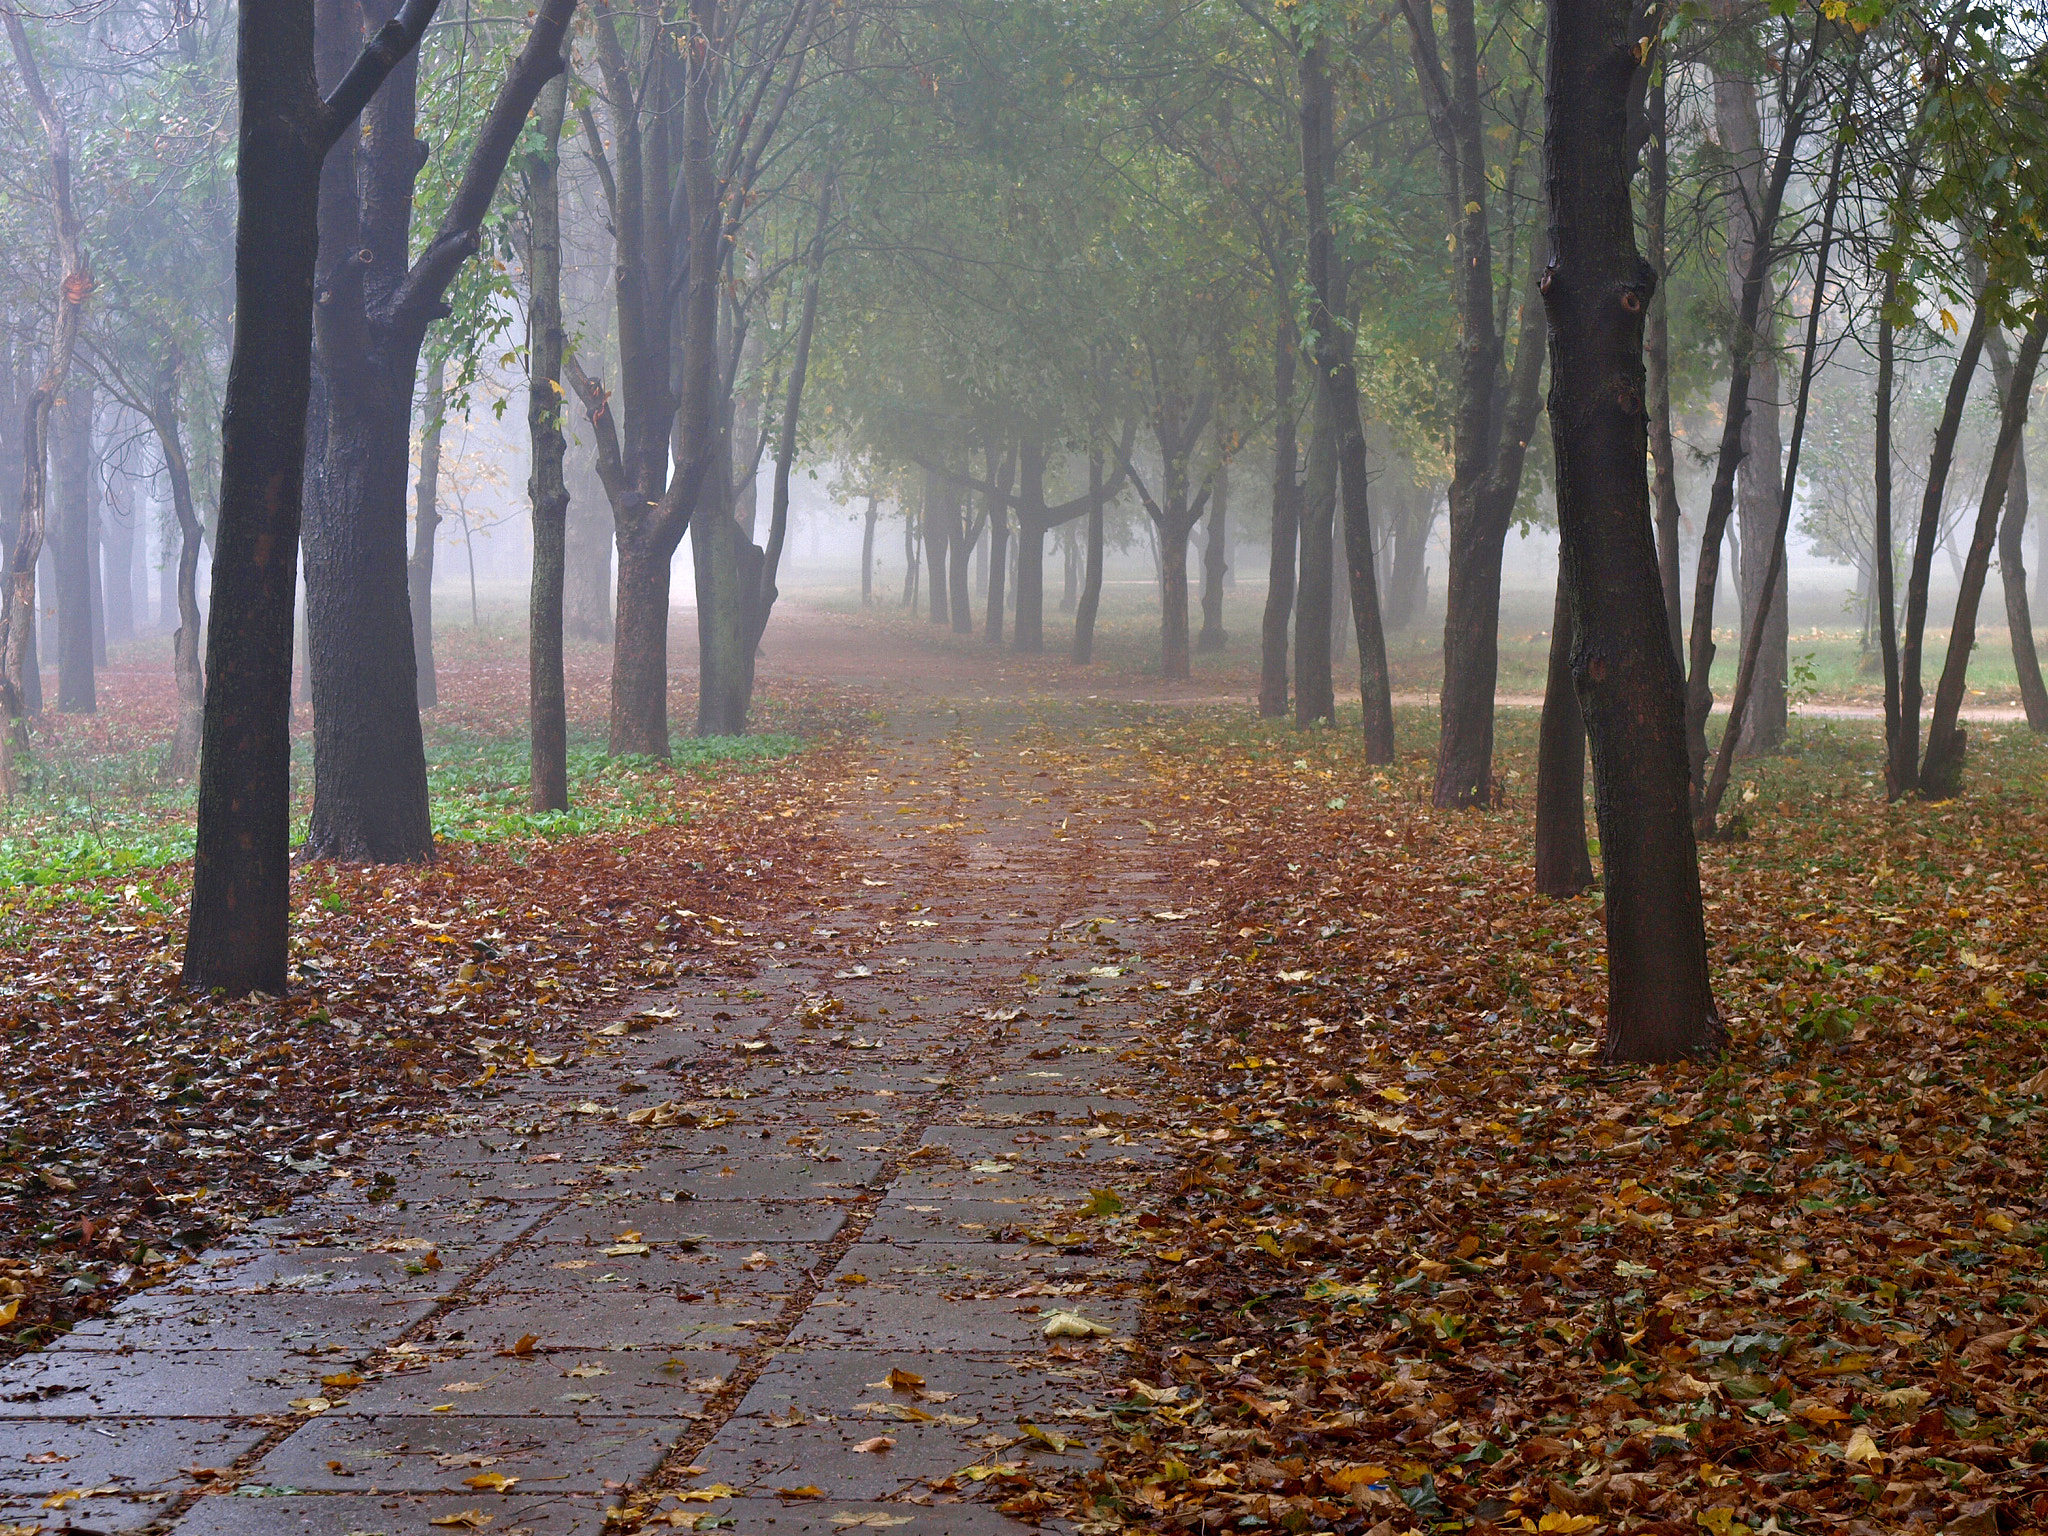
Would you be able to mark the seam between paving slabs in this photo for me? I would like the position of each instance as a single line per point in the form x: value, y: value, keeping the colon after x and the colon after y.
x: 456, y: 1296
x: 720, y: 1410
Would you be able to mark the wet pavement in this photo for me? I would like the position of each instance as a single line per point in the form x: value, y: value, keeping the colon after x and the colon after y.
x: 811, y: 1294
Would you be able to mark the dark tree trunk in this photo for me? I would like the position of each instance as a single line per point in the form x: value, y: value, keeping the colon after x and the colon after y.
x: 1215, y: 562
x: 375, y: 303
x: 548, y: 487
x: 419, y: 569
x: 1070, y: 569
x: 1941, y: 769
x: 1090, y: 602
x: 2012, y: 569
x: 1660, y: 1006
x: 959, y: 570
x: 1564, y: 864
x: 237, y: 938
x: 1337, y: 378
x: 910, y: 559
x: 639, y: 684
x: 95, y: 563
x: 1279, y: 611
x: 1905, y: 753
x: 71, y: 551
x: 1314, y: 694
x: 867, y: 552
x: 1657, y: 357
x: 1177, y: 425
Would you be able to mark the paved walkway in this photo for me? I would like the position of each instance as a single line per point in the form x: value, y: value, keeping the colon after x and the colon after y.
x: 807, y: 1291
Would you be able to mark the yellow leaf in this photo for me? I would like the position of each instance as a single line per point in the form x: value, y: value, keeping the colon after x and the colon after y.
x: 1567, y: 1524
x: 492, y: 1482
x: 1862, y: 1450
x: 468, y: 1520
x: 342, y: 1379
x: 9, y: 1309
x: 807, y: 1491
x: 1072, y: 1325
x: 706, y: 1495
x: 900, y: 1380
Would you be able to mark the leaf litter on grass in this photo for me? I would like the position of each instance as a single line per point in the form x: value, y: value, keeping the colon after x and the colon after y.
x: 1424, y: 1265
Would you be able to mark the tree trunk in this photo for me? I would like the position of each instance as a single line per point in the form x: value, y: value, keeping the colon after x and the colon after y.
x: 1285, y: 534
x: 1905, y: 752
x: 22, y: 691
x: 1314, y: 693
x: 867, y: 552
x: 959, y: 572
x: 237, y: 938
x: 910, y: 559
x: 548, y: 486
x: 419, y: 570
x: 1941, y: 770
x: 1070, y: 568
x: 1215, y: 561
x: 1758, y: 640
x: 639, y: 681
x: 1760, y: 477
x: 70, y: 549
x: 1175, y: 660
x: 728, y: 572
x: 1337, y: 378
x: 1898, y: 768
x: 998, y: 543
x: 2012, y: 570
x: 1090, y: 601
x: 121, y: 531
x: 183, y: 760
x: 1660, y: 1007
x: 1754, y: 258
x: 587, y: 555
x: 369, y: 759
x: 1564, y: 864
x: 941, y: 525
x: 1657, y: 358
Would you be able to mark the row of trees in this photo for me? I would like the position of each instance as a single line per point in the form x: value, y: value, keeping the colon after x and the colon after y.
x: 1022, y: 260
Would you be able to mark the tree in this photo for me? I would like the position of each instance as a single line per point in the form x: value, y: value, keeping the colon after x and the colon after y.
x: 548, y: 487
x: 17, y: 614
x: 374, y: 305
x: 1660, y: 1006
x: 238, y: 936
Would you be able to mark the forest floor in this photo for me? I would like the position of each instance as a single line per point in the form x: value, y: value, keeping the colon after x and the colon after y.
x: 995, y: 1100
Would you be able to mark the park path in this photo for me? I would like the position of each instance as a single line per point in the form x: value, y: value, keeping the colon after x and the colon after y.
x: 805, y: 1293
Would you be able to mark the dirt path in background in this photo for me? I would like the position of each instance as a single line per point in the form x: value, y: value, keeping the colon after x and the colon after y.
x: 808, y: 1292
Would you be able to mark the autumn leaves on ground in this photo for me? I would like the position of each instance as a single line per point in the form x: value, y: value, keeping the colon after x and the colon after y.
x: 1419, y: 1262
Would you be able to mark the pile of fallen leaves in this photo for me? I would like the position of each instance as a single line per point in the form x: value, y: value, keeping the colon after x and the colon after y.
x: 1426, y: 1265
x: 138, y: 1122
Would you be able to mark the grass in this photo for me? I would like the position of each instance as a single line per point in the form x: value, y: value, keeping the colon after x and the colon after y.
x: 85, y: 820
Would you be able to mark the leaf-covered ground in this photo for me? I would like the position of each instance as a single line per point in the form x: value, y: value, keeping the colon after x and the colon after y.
x: 139, y: 1122
x: 1426, y: 1266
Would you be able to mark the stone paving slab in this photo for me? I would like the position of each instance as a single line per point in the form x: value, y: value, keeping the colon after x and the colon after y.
x: 48, y: 1456
x: 171, y: 1320
x: 436, y: 1453
x: 542, y: 1514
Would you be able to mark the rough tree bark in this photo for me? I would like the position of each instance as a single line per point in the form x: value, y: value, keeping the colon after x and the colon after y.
x: 1178, y: 422
x: 547, y: 486
x: 237, y: 937
x: 371, y: 315
x: 419, y: 568
x: 867, y: 550
x: 1002, y: 473
x: 1657, y: 360
x: 1660, y: 1006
